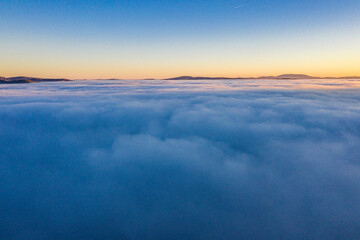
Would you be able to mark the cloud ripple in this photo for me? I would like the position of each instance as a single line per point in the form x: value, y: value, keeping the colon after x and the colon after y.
x: 105, y: 160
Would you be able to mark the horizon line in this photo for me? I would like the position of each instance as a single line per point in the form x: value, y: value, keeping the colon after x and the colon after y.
x: 190, y: 77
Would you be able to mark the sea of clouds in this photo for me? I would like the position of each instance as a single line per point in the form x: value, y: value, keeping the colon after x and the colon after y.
x: 180, y: 160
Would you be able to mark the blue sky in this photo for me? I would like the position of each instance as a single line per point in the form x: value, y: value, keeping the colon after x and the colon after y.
x: 151, y: 33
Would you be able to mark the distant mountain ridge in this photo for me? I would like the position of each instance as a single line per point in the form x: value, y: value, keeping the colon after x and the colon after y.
x: 15, y: 80
x: 22, y: 79
x: 199, y: 78
x: 283, y: 76
x: 295, y: 76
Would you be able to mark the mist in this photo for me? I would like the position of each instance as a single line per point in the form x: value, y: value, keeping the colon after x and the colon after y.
x: 180, y: 160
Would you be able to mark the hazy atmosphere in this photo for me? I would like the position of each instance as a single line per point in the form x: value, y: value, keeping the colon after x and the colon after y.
x: 191, y: 119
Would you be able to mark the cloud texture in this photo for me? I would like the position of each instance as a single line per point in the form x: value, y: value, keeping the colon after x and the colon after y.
x: 178, y: 160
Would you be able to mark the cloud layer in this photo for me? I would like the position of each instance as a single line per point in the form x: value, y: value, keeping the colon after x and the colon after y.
x: 187, y: 160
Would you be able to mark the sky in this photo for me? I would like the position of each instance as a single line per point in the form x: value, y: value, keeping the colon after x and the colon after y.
x: 159, y: 39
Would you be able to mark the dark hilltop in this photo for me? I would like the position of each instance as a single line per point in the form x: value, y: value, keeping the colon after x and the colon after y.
x: 15, y: 80
x: 280, y: 77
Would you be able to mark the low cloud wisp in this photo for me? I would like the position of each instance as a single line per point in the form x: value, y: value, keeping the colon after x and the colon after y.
x: 124, y: 160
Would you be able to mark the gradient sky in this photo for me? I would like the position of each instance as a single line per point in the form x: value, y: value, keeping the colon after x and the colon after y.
x: 156, y: 39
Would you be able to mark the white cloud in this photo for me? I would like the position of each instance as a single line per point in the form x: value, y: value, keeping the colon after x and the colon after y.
x: 120, y: 160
